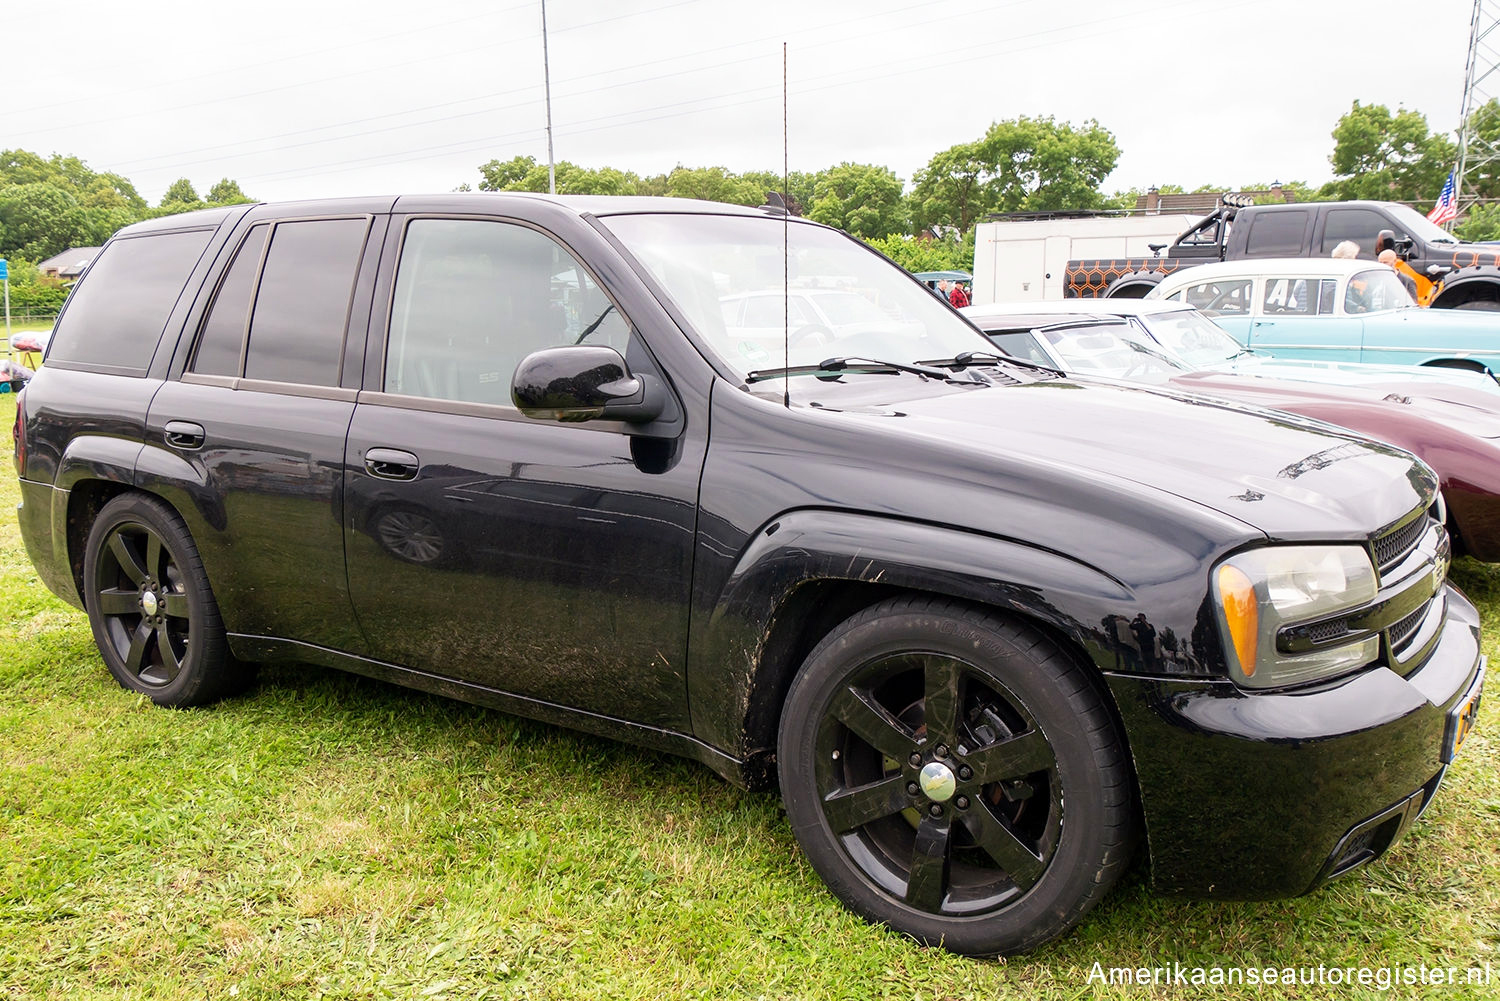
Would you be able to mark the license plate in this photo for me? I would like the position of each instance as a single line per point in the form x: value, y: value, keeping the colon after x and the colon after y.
x: 1461, y: 718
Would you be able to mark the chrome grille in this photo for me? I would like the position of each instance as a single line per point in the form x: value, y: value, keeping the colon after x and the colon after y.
x: 1392, y: 547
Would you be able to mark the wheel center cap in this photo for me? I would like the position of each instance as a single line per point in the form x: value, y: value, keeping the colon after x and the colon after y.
x: 938, y: 781
x: 149, y: 604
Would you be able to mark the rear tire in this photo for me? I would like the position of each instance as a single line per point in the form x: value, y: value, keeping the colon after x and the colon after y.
x: 927, y: 750
x: 152, y: 611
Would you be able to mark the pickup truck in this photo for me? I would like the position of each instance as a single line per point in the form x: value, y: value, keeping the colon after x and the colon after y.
x: 1447, y: 274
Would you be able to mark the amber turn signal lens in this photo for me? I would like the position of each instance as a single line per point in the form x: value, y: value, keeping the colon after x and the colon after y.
x: 1241, y: 613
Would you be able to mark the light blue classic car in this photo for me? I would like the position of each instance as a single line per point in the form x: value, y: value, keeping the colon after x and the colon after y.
x: 1328, y: 310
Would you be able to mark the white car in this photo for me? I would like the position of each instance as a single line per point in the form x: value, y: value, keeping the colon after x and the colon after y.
x: 760, y: 326
x: 1327, y: 310
x: 1191, y: 335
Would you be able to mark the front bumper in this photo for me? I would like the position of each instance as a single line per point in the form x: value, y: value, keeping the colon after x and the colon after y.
x: 1256, y: 795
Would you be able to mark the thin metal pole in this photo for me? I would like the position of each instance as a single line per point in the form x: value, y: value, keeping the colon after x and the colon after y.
x: 547, y: 81
x: 1467, y: 111
x: 786, y: 249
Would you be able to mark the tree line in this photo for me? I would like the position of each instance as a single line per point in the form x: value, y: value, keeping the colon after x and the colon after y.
x: 50, y: 204
x: 1025, y: 164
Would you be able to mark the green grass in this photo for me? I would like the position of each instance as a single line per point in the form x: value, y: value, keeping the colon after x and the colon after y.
x: 30, y: 326
x: 330, y: 836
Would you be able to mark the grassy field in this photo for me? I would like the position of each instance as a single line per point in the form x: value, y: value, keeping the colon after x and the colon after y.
x: 18, y: 326
x: 329, y: 836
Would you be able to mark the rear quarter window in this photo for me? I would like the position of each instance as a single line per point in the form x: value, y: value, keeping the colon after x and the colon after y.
x: 115, y: 317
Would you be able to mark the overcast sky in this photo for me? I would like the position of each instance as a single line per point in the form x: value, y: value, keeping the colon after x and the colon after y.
x: 307, y: 98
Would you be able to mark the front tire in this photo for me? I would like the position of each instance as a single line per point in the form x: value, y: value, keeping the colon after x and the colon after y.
x: 151, y: 608
x: 956, y: 776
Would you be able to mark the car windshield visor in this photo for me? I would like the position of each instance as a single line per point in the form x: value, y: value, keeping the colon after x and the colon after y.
x: 738, y: 278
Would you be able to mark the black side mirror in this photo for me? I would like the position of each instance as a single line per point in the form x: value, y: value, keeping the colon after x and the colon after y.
x: 584, y: 382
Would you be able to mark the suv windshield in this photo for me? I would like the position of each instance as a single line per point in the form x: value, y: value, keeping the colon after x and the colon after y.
x: 1419, y: 225
x: 718, y: 270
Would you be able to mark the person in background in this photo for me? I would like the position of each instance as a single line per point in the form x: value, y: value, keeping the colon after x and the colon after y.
x: 957, y: 296
x: 1388, y: 258
x: 1346, y: 251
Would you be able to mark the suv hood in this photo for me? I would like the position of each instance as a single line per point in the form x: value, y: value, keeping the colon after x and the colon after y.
x: 1289, y: 477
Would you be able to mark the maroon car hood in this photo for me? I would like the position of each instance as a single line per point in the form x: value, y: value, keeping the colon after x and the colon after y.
x: 1390, y: 412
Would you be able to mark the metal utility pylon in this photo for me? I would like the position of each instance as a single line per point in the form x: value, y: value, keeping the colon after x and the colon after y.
x: 1478, y: 156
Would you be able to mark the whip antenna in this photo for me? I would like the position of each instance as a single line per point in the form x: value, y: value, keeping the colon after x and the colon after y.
x: 786, y: 252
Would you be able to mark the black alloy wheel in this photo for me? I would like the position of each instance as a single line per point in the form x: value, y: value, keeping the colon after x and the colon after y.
x: 955, y: 776
x: 150, y: 606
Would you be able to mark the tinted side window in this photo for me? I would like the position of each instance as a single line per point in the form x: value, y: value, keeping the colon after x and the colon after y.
x: 302, y: 305
x: 474, y: 297
x: 116, y: 315
x: 224, y: 330
x: 1276, y: 233
x: 1359, y: 225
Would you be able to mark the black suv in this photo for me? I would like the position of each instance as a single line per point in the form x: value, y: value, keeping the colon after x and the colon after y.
x: 563, y: 457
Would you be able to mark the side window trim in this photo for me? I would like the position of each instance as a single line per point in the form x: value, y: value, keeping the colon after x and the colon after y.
x: 260, y: 268
x: 255, y: 287
x: 213, y: 300
x: 488, y: 411
x: 305, y: 389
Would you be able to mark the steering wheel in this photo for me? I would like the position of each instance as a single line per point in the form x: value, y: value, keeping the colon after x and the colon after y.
x: 1221, y: 298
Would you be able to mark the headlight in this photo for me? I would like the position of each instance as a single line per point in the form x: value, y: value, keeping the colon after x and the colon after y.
x: 1260, y: 592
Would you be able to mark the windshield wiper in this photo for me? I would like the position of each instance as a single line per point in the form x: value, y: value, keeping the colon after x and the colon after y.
x: 834, y: 366
x: 967, y: 358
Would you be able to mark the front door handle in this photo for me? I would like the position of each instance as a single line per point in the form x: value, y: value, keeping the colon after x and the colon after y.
x: 392, y: 464
x: 183, y: 434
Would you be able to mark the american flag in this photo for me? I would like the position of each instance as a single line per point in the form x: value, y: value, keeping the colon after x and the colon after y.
x: 1446, y: 209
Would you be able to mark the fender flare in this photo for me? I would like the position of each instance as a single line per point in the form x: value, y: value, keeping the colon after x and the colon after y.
x: 88, y: 458
x: 1134, y: 284
x: 1475, y: 282
x: 747, y: 642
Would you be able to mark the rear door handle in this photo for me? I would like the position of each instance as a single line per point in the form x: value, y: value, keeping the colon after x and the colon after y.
x: 183, y: 434
x: 392, y: 464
